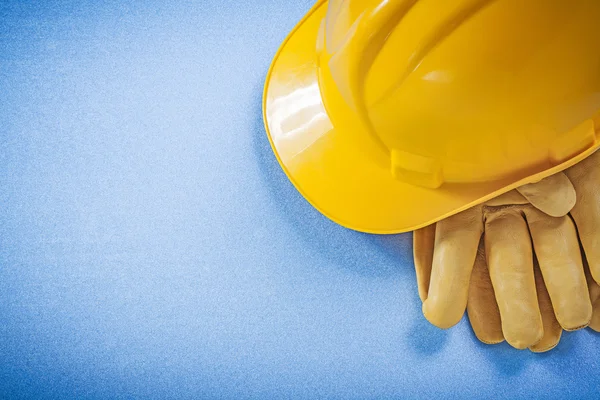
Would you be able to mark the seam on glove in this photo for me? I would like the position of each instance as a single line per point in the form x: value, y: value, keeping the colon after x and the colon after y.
x: 490, y: 341
x: 579, y: 327
x: 544, y: 349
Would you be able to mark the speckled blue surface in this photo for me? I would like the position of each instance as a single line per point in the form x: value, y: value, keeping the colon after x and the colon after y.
x: 151, y: 247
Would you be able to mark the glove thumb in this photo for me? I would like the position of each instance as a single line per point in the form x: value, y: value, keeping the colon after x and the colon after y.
x: 554, y: 195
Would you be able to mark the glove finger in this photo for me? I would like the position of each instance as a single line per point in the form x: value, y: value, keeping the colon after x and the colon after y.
x: 482, y: 308
x: 585, y: 176
x: 595, y: 322
x: 423, y: 244
x: 510, y: 262
x: 554, y: 195
x: 594, y: 298
x: 552, y: 329
x: 559, y: 255
x: 456, y: 242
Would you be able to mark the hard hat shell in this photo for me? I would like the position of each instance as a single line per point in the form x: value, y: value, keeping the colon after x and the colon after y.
x: 391, y: 115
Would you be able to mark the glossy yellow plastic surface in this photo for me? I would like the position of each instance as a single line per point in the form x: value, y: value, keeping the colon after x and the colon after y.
x: 391, y: 115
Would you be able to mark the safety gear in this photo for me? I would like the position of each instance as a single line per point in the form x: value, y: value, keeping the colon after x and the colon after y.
x: 451, y: 275
x: 485, y: 317
x: 585, y: 177
x: 389, y: 115
x: 594, y: 298
x: 500, y: 293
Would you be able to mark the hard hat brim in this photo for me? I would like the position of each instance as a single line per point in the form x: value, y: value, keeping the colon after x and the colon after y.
x: 337, y: 176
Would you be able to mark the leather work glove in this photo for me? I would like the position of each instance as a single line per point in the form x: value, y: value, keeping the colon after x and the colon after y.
x: 585, y: 177
x: 509, y: 294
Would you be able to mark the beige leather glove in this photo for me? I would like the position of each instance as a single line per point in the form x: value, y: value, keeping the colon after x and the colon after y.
x: 509, y: 296
x: 585, y: 177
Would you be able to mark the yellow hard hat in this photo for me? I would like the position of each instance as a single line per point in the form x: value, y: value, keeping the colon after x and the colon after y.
x: 389, y: 115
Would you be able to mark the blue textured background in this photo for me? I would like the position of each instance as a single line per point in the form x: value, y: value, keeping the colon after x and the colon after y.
x: 150, y: 245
